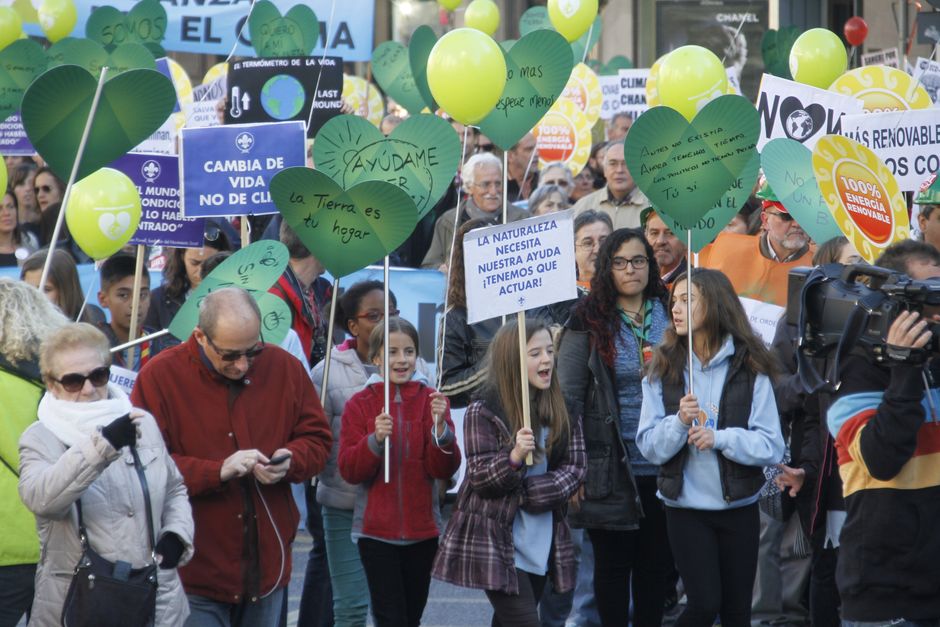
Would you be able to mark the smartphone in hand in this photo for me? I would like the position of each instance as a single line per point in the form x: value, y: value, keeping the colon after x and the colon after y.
x: 280, y: 459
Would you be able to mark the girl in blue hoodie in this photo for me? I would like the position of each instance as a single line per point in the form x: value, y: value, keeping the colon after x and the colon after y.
x: 711, y: 445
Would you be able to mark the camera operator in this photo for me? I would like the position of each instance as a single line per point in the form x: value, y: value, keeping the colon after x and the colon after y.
x: 887, y: 437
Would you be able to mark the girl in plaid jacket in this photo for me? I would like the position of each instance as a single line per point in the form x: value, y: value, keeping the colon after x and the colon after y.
x: 508, y: 530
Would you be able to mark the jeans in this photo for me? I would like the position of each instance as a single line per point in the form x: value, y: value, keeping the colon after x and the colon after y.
x: 266, y: 612
x: 348, y: 579
x: 399, y: 579
x: 16, y: 592
x: 518, y: 610
x: 577, y: 607
x: 316, y: 600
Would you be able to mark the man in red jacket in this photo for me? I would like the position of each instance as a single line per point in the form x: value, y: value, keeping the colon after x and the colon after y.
x: 243, y: 421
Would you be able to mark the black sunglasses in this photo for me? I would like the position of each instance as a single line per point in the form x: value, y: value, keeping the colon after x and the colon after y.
x: 74, y: 382
x: 45, y: 189
x: 251, y: 353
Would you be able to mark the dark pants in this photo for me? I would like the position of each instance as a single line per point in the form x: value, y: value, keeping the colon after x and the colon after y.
x: 824, y: 600
x: 399, y: 577
x: 16, y: 592
x: 316, y: 600
x: 637, y: 560
x: 518, y: 610
x: 716, y: 554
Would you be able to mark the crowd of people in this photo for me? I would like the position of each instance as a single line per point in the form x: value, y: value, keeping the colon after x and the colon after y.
x: 659, y: 476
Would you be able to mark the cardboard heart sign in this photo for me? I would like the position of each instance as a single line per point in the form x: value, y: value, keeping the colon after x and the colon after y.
x: 392, y: 71
x: 420, y: 156
x: 536, y: 18
x: 91, y: 56
x: 419, y: 49
x: 292, y: 35
x: 788, y: 166
x: 20, y: 63
x: 537, y: 70
x: 775, y: 49
x: 711, y: 224
x: 55, y: 108
x: 144, y: 24
x: 685, y: 168
x: 346, y: 229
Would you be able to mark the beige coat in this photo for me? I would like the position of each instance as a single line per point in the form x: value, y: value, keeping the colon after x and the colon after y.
x: 53, y: 477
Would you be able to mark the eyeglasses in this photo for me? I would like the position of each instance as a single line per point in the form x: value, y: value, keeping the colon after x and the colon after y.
x: 74, y: 382
x: 786, y: 217
x: 490, y: 185
x: 249, y: 354
x: 589, y: 244
x: 45, y: 189
x: 376, y: 316
x: 559, y: 183
x: 486, y: 147
x: 639, y: 262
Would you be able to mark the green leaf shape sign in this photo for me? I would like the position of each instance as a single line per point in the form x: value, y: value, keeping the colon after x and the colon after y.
x: 55, y: 108
x: 685, y: 168
x: 775, y: 48
x: 20, y: 63
x: 419, y: 49
x: 254, y: 268
x: 392, y: 71
x: 345, y: 229
x: 292, y: 35
x: 536, y: 18
x: 144, y: 24
x: 421, y: 155
x: 537, y: 69
x: 788, y: 166
x: 91, y: 56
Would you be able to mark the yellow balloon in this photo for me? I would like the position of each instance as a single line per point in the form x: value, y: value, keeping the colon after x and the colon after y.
x: 572, y: 18
x: 482, y: 15
x: 11, y: 26
x: 818, y: 58
x: 450, y: 5
x: 57, y: 18
x: 216, y: 71
x: 466, y: 74
x: 652, y: 83
x: 689, y: 78
x: 103, y: 212
x: 3, y: 174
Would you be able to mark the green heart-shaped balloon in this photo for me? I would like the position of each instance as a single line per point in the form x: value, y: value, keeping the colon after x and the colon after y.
x: 536, y: 18
x: 537, y: 69
x: 254, y: 268
x: 291, y: 35
x: 788, y: 166
x: 91, y: 55
x: 421, y: 155
x: 392, y: 71
x: 20, y: 63
x: 710, y: 225
x: 684, y: 168
x: 345, y: 229
x: 419, y: 49
x: 56, y: 106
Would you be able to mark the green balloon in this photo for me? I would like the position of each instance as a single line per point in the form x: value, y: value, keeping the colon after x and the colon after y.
x: 419, y: 48
x: 56, y: 106
x: 788, y: 166
x: 20, y: 63
x: 392, y: 71
x: 291, y: 35
x: 685, y: 168
x: 537, y: 70
x: 420, y: 156
x: 254, y: 268
x: 345, y: 229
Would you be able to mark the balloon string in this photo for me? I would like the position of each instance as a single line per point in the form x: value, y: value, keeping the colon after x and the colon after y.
x: 91, y: 288
x: 316, y: 87
x: 587, y: 46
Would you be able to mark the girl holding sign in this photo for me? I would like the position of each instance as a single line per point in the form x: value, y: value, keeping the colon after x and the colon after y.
x: 396, y: 523
x: 711, y: 445
x: 509, y: 530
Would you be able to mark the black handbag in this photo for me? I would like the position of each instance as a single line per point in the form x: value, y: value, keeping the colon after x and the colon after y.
x: 112, y: 594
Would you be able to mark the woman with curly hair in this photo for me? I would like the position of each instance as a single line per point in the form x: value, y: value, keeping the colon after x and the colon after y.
x: 605, y: 347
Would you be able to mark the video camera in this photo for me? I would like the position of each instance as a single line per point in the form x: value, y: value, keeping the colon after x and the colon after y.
x: 850, y: 308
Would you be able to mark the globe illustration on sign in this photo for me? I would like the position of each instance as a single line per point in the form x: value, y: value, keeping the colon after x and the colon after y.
x: 799, y: 125
x: 282, y: 97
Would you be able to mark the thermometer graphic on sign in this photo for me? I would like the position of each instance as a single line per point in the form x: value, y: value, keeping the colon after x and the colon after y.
x: 236, y: 111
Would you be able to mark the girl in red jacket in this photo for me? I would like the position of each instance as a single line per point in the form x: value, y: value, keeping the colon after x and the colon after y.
x: 396, y: 524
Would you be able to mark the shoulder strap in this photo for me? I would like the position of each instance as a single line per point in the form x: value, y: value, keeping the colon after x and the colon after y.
x: 143, y: 484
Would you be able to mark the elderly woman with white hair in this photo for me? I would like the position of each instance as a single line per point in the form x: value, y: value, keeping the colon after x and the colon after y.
x: 97, y: 475
x: 482, y: 177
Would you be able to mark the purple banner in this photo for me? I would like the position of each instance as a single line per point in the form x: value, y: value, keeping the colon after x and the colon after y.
x: 157, y: 178
x: 13, y: 140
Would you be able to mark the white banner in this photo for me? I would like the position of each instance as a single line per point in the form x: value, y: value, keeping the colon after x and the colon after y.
x: 888, y: 56
x: 610, y: 89
x: 633, y: 91
x: 517, y: 266
x: 928, y: 73
x: 763, y: 317
x: 907, y: 141
x: 800, y: 112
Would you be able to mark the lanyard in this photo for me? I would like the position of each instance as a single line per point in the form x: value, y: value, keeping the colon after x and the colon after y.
x: 641, y: 332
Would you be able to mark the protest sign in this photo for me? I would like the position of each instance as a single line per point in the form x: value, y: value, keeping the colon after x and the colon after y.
x: 584, y: 90
x: 419, y: 49
x: 20, y: 64
x: 518, y: 266
x: 633, y: 91
x: 537, y: 69
x: 927, y: 73
x: 13, y: 139
x: 610, y: 90
x: 907, y: 141
x: 420, y: 156
x: 882, y: 89
x: 293, y: 34
x: 363, y: 98
x: 157, y: 178
x: 392, y: 70
x: 564, y: 134
x: 201, y: 112
x: 763, y: 317
x: 123, y: 378
x: 800, y: 112
x: 775, y: 49
x: 684, y: 168
x: 887, y: 57
x: 276, y: 90
x: 536, y: 18
x: 227, y: 169
x: 862, y: 194
x: 349, y: 228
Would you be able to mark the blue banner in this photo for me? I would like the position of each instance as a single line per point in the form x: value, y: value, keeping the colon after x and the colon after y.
x: 213, y: 26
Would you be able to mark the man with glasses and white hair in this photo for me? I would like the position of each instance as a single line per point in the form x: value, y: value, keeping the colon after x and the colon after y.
x: 242, y: 420
x: 482, y: 177
x: 620, y: 198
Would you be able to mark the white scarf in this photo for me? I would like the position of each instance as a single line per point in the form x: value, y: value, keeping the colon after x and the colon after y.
x: 72, y: 421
